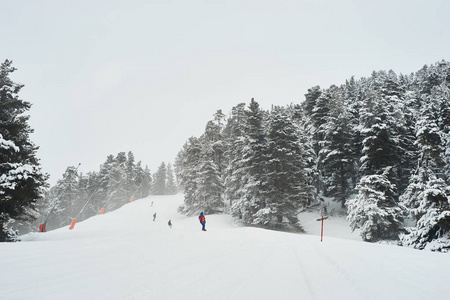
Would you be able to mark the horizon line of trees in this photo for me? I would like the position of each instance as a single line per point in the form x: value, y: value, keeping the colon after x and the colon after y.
x: 119, y: 181
x: 379, y: 146
x: 26, y: 196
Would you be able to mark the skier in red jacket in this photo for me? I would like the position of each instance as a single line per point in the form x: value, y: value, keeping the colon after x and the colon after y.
x: 202, y: 220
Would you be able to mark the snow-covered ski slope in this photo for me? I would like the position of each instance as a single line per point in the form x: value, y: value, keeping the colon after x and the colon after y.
x: 125, y: 255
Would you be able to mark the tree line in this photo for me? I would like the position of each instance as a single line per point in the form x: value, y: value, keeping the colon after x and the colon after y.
x: 379, y: 146
x: 119, y: 181
x: 27, y: 198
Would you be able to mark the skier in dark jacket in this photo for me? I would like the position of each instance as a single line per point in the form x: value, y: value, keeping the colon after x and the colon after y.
x: 202, y: 220
x: 170, y: 223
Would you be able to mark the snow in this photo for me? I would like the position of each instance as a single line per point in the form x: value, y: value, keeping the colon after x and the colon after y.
x: 125, y: 255
x: 6, y: 144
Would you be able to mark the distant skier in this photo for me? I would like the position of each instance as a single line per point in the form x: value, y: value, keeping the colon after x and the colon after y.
x: 152, y: 204
x: 154, y: 217
x: 170, y: 223
x: 202, y: 220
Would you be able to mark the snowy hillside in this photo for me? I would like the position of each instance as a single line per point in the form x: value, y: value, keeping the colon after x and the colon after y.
x: 125, y: 255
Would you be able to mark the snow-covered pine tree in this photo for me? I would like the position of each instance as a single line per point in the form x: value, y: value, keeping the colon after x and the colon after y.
x: 84, y: 197
x: 146, y: 186
x: 441, y: 96
x: 336, y: 155
x: 401, y: 127
x: 189, y: 166
x: 22, y: 182
x: 213, y: 139
x: 131, y: 185
x: 104, y: 179
x: 428, y: 200
x: 178, y: 168
x: 209, y: 182
x: 234, y: 145
x: 375, y: 210
x: 66, y: 203
x: 296, y: 113
x: 159, y: 180
x: 319, y: 117
x: 311, y: 99
x: 171, y: 186
x: 117, y: 193
x: 142, y: 180
x: 427, y: 196
x: 286, y: 189
x: 353, y: 95
x: 217, y: 139
x: 251, y: 162
x: 93, y: 186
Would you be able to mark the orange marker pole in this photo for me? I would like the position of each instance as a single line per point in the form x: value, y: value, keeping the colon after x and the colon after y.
x: 74, y: 221
x: 102, y: 211
x: 321, y: 231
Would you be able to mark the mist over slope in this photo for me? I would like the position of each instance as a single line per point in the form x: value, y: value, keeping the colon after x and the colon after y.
x: 126, y: 255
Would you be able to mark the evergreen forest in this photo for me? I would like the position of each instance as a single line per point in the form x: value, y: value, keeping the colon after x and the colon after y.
x: 379, y: 146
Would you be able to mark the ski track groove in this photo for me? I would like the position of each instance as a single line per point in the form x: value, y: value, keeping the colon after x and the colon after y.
x: 305, y: 276
x: 348, y: 278
x: 261, y: 266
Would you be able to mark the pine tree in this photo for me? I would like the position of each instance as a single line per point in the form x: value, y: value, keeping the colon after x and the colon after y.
x: 160, y: 177
x: 92, y: 194
x: 309, y: 157
x: 427, y: 196
x: 171, y: 187
x: 209, y: 182
x: 22, y: 182
x: 191, y: 153
x: 250, y: 165
x: 400, y: 122
x: 234, y: 144
x: 311, y: 99
x: 319, y: 115
x: 336, y: 155
x: 428, y: 200
x: 66, y: 202
x: 131, y: 185
x: 353, y: 95
x: 374, y: 210
x: 286, y: 189
x: 105, y: 174
x: 142, y: 180
x: 117, y: 179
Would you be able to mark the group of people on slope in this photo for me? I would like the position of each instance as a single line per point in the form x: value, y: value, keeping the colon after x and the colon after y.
x: 201, y: 218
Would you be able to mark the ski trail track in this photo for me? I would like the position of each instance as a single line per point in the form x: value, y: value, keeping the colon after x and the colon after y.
x: 126, y: 255
x: 264, y: 280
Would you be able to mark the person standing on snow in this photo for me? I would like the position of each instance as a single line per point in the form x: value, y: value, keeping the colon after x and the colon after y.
x: 202, y: 220
x: 154, y: 217
x: 170, y: 223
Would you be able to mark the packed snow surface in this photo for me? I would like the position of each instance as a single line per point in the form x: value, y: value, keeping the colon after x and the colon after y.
x: 126, y: 255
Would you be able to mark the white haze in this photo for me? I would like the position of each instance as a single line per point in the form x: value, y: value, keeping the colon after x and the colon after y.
x: 141, y: 75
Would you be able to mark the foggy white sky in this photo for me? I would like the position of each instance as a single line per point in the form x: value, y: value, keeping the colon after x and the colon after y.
x: 140, y: 75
